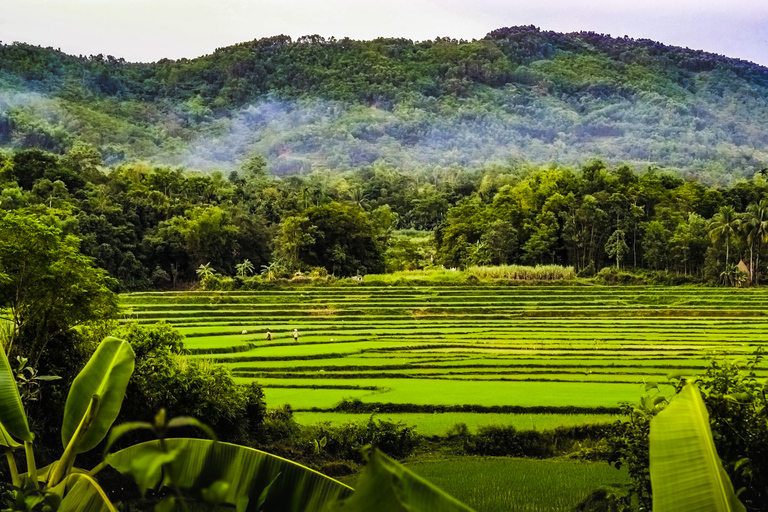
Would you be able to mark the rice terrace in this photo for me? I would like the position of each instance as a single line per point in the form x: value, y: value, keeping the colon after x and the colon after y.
x: 433, y: 356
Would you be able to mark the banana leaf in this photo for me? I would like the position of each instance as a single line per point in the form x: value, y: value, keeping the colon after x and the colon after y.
x: 81, y: 493
x: 239, y: 476
x: 6, y: 440
x: 686, y: 473
x: 387, y: 486
x: 12, y: 415
x: 106, y: 375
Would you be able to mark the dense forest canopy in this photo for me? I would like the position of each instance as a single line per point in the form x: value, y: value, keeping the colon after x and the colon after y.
x: 152, y: 226
x: 314, y: 104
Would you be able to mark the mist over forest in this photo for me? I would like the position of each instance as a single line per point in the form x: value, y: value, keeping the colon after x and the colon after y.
x: 519, y: 95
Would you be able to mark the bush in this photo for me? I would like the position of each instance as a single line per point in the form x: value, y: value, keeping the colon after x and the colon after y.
x: 588, y: 271
x: 334, y: 448
x: 612, y: 275
x: 504, y: 440
x: 218, y: 282
x: 344, y: 442
x: 165, y: 378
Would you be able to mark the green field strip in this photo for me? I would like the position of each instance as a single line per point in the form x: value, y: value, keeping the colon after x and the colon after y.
x: 317, y: 349
x: 574, y: 324
x: 483, y: 393
x: 542, y: 323
x: 658, y: 292
x: 583, y: 378
x: 433, y: 424
x: 624, y: 299
x: 607, y: 350
x: 501, y: 330
x: 309, y: 365
x: 323, y: 398
x: 426, y: 306
x: 349, y: 364
x: 474, y: 342
x: 533, y: 309
x: 326, y: 386
x: 214, y: 344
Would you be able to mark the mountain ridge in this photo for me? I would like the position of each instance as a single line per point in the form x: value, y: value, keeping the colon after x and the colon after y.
x: 519, y: 94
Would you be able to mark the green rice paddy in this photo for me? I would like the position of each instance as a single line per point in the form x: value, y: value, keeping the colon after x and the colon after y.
x: 546, y: 350
x: 502, y: 484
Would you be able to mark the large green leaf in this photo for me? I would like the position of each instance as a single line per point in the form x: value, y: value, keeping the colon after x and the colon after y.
x: 12, y: 414
x: 106, y: 375
x: 239, y: 476
x: 81, y: 493
x: 686, y: 473
x: 386, y: 486
x: 6, y: 440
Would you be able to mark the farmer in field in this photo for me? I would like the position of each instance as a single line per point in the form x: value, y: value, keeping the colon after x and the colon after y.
x: 295, y: 335
x: 269, y: 335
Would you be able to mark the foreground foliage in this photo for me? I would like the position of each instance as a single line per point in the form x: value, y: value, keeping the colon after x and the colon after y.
x: 217, y: 473
x: 686, y: 473
x: 735, y: 402
x: 92, y: 406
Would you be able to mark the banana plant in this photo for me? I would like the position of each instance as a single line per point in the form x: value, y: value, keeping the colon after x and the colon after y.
x: 248, y: 479
x: 212, y: 471
x: 387, y: 486
x: 686, y: 473
x: 92, y: 405
x: 229, y: 474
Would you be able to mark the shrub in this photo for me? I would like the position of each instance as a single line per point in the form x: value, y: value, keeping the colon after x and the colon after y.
x: 344, y: 442
x: 588, y: 271
x: 505, y: 440
x: 218, y: 282
x: 165, y: 378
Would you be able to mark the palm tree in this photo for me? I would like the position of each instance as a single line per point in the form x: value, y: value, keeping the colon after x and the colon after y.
x: 756, y: 227
x: 724, y: 226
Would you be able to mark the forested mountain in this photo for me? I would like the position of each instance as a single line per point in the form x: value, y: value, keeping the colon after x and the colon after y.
x: 517, y: 95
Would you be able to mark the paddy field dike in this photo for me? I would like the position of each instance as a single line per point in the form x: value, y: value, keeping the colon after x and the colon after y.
x: 535, y: 357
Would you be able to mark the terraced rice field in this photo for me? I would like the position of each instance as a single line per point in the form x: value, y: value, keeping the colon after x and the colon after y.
x: 538, y: 354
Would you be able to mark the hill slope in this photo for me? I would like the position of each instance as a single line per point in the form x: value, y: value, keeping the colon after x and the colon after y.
x: 519, y: 94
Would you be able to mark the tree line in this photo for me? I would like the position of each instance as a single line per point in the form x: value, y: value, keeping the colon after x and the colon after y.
x: 151, y: 226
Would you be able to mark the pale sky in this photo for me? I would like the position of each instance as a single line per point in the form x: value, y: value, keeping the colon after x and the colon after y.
x: 148, y: 30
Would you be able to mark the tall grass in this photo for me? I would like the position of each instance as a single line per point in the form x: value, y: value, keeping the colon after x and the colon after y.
x: 524, y: 273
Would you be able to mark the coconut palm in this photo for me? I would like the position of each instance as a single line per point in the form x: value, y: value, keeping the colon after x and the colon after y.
x: 725, y: 224
x: 756, y: 227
